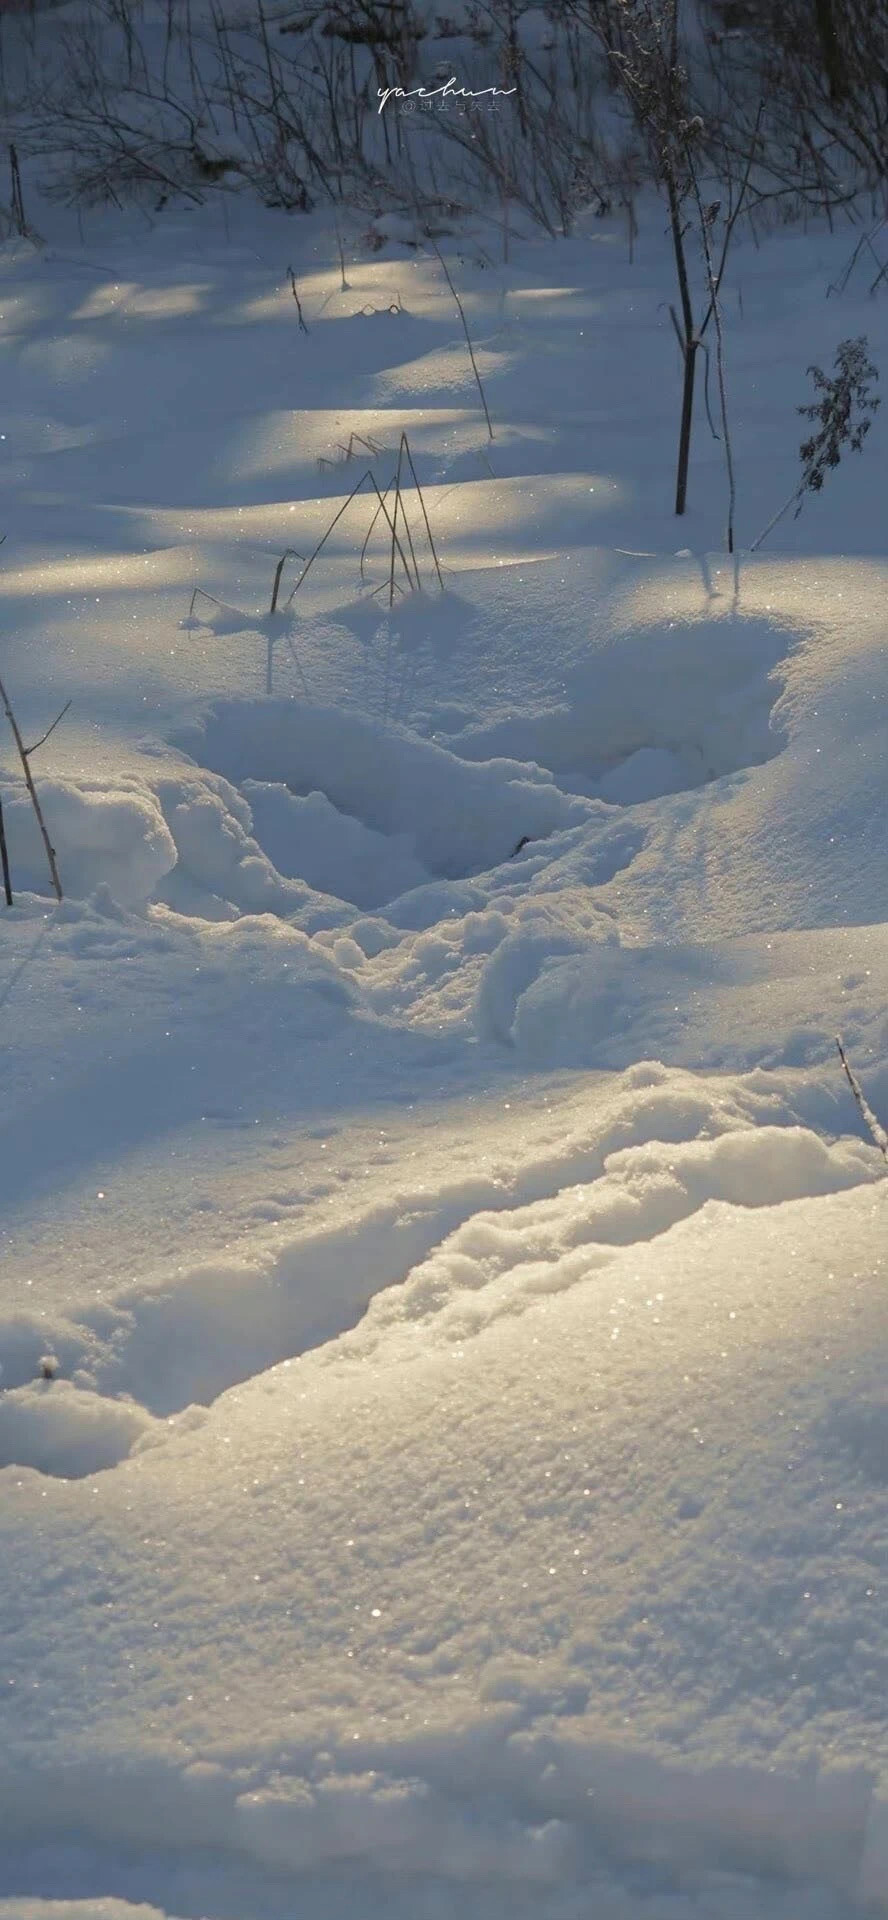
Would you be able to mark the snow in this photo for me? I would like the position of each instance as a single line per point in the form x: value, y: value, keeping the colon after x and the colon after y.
x: 566, y: 1649
x: 59, y: 1430
x: 105, y: 834
x: 459, y: 818
x: 425, y: 1155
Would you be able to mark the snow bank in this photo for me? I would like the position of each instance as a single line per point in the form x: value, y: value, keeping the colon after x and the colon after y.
x: 217, y: 859
x: 559, y: 990
x: 507, y: 1260
x: 105, y: 834
x: 174, y: 1340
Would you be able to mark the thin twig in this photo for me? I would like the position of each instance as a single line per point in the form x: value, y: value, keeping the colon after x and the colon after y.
x: 462, y: 316
x: 383, y: 509
x: 4, y: 859
x: 399, y: 503
x: 338, y: 516
x: 370, y: 445
x: 715, y: 309
x: 406, y: 445
x: 346, y: 451
x: 874, y: 1126
x: 706, y: 401
x: 385, y: 583
x: 297, y: 299
x: 289, y: 553
x: 200, y: 594
x: 369, y: 531
x: 45, y: 736
x: 732, y: 219
x: 394, y: 534
x: 341, y: 258
x: 17, y: 206
x: 838, y: 286
x: 798, y: 495
x: 29, y: 782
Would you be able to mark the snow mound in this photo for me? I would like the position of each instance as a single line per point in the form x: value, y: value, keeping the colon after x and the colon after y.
x: 105, y: 834
x: 559, y: 990
x: 715, y: 866
x: 65, y: 1430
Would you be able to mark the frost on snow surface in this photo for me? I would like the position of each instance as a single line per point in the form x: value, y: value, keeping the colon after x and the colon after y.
x: 443, y: 1420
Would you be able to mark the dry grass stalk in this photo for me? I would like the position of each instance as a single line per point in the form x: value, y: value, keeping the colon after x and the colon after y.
x: 367, y: 476
x: 465, y: 325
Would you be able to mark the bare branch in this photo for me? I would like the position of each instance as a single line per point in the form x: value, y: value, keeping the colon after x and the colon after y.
x: 297, y: 299
x: 45, y: 736
x: 29, y: 782
x: 4, y: 859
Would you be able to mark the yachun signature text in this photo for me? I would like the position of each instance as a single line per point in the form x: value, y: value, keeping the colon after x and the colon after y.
x: 448, y: 87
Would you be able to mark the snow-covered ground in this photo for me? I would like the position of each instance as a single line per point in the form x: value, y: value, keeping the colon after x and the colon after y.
x: 426, y: 1167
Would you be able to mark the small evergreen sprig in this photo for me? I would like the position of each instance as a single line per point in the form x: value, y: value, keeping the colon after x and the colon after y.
x: 844, y: 414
